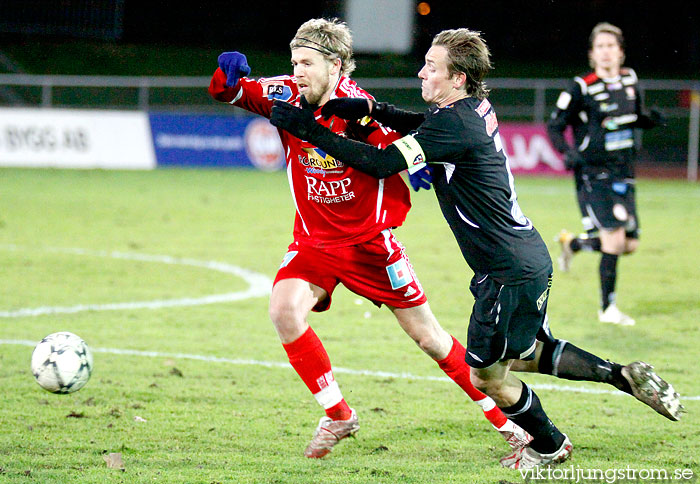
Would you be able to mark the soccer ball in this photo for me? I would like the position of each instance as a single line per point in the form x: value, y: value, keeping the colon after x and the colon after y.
x: 62, y: 363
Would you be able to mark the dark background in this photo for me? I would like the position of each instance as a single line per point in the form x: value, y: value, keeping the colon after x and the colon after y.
x: 536, y: 38
x: 662, y: 37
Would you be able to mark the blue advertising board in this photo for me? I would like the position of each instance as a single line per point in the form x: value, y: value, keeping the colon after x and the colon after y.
x: 216, y: 141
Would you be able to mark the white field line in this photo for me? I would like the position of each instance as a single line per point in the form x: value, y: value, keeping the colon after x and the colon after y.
x: 347, y: 371
x: 258, y: 285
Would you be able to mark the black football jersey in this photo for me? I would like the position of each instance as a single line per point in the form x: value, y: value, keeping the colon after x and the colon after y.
x: 603, y: 114
x: 476, y: 192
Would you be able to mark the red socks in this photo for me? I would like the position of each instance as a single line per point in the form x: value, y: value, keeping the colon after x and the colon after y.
x: 310, y: 360
x: 456, y: 368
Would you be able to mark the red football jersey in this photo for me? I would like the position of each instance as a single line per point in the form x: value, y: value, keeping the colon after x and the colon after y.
x: 336, y: 205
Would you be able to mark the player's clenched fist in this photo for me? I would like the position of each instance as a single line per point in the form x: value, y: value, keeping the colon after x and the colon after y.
x: 234, y: 65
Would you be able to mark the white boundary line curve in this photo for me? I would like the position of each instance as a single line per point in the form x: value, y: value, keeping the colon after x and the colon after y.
x: 258, y: 284
x: 347, y: 371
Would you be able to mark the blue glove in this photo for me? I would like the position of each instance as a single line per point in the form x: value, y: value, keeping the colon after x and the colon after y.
x: 423, y: 178
x: 234, y: 65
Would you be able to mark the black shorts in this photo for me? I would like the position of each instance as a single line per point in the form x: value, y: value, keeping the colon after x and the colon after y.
x: 506, y: 321
x: 607, y: 203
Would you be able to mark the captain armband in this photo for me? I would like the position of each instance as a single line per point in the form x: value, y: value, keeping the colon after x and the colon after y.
x: 412, y: 153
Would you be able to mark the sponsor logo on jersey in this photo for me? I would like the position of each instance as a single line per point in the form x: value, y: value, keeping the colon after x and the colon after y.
x: 332, y: 191
x: 619, y: 140
x: 288, y: 258
x: 319, y: 159
x: 612, y: 123
x: 596, y: 88
x: 541, y: 300
x: 491, y: 123
x: 606, y: 108
x: 278, y: 90
x: 316, y: 171
x: 483, y: 108
x: 630, y: 93
x: 263, y: 145
x: 543, y: 297
x: 399, y: 274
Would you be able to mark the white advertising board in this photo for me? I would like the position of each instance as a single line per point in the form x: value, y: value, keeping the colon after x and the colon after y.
x: 381, y: 26
x: 67, y: 138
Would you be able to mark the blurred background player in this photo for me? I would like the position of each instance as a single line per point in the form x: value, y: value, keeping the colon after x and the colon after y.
x: 342, y: 230
x: 508, y: 327
x: 603, y: 107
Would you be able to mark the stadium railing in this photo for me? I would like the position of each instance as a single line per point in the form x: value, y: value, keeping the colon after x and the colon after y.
x: 518, y: 99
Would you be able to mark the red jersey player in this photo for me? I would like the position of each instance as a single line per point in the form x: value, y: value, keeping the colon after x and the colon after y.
x: 342, y: 230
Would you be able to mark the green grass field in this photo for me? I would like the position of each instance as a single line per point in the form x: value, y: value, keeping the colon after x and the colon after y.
x: 121, y: 258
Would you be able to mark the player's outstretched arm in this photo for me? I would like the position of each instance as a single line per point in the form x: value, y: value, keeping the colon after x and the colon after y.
x: 379, y: 163
x: 357, y: 108
x: 232, y: 66
x: 650, y: 119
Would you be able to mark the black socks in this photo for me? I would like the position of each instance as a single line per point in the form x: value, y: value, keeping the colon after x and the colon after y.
x: 529, y: 414
x: 579, y: 243
x: 564, y: 360
x: 608, y: 276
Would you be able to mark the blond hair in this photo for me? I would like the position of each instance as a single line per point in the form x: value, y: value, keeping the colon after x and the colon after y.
x: 330, y: 37
x: 467, y: 52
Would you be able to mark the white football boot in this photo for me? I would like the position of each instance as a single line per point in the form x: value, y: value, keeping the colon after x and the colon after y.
x: 515, y: 436
x: 613, y: 315
x: 328, y: 433
x: 527, y: 458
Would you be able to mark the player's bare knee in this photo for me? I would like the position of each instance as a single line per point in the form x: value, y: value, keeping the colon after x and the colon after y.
x: 631, y: 246
x: 485, y: 384
x: 283, y: 313
x: 429, y: 345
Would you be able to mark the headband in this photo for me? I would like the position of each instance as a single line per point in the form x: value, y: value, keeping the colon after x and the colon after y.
x: 325, y: 50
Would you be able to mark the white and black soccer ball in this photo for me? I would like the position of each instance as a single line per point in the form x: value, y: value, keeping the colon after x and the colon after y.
x: 62, y: 363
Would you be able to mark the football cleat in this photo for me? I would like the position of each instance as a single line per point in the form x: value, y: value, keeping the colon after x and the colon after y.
x: 528, y: 458
x: 328, y: 433
x: 515, y: 436
x: 564, y: 238
x: 651, y: 389
x: 613, y: 315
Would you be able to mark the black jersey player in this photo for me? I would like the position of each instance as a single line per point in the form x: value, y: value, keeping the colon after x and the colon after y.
x: 508, y: 329
x: 603, y: 107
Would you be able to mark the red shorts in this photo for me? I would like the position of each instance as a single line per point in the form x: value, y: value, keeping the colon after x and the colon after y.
x: 378, y: 269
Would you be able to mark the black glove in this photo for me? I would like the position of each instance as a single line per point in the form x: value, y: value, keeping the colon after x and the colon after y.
x: 656, y: 118
x: 298, y: 122
x: 573, y: 159
x: 423, y: 178
x: 650, y: 120
x: 347, y: 108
